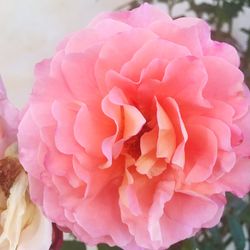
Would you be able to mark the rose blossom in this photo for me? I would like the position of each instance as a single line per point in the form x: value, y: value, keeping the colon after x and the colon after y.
x: 22, y: 225
x: 135, y: 129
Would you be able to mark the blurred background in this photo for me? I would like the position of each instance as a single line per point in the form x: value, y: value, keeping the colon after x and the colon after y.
x: 30, y: 31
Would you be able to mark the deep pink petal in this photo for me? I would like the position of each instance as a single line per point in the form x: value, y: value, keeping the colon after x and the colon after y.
x: 201, y: 153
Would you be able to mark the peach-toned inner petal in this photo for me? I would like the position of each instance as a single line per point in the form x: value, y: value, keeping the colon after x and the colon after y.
x: 166, y: 142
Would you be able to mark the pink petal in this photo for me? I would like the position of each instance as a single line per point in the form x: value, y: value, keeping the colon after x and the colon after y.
x: 88, y: 213
x: 243, y: 149
x: 191, y: 85
x: 29, y: 144
x: 133, y: 121
x: 224, y: 50
x: 201, y: 153
x: 230, y: 90
x: 114, y: 47
x: 199, y: 209
x: 82, y: 40
x: 166, y: 142
x: 139, y: 17
x: 220, y: 129
x: 65, y: 114
x: 173, y: 110
x: 237, y: 180
x: 88, y: 132
x: 78, y: 71
x: 165, y: 50
x: 191, y: 33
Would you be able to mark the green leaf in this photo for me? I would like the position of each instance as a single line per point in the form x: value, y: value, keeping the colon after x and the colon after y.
x: 236, y: 204
x: 106, y: 247
x: 208, y: 246
x: 245, y: 215
x: 216, y: 237
x: 73, y: 245
x: 189, y: 244
x: 237, y: 232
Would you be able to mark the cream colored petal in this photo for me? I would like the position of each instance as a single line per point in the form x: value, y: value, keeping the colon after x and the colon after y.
x: 11, y: 151
x: 37, y: 234
x: 11, y: 218
x: 22, y: 224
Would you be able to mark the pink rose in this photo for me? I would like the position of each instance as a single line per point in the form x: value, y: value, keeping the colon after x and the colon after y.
x: 135, y: 130
x: 9, y: 119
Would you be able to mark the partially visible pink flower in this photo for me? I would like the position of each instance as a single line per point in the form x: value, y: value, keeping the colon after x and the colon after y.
x: 9, y: 120
x: 22, y: 225
x: 136, y: 128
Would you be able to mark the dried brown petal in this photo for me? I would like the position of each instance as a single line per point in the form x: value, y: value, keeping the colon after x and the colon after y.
x: 10, y: 168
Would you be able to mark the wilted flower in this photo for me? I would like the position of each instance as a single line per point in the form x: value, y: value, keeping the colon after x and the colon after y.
x: 22, y: 225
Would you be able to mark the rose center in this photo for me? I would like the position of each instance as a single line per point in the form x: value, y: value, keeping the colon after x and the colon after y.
x: 132, y: 145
